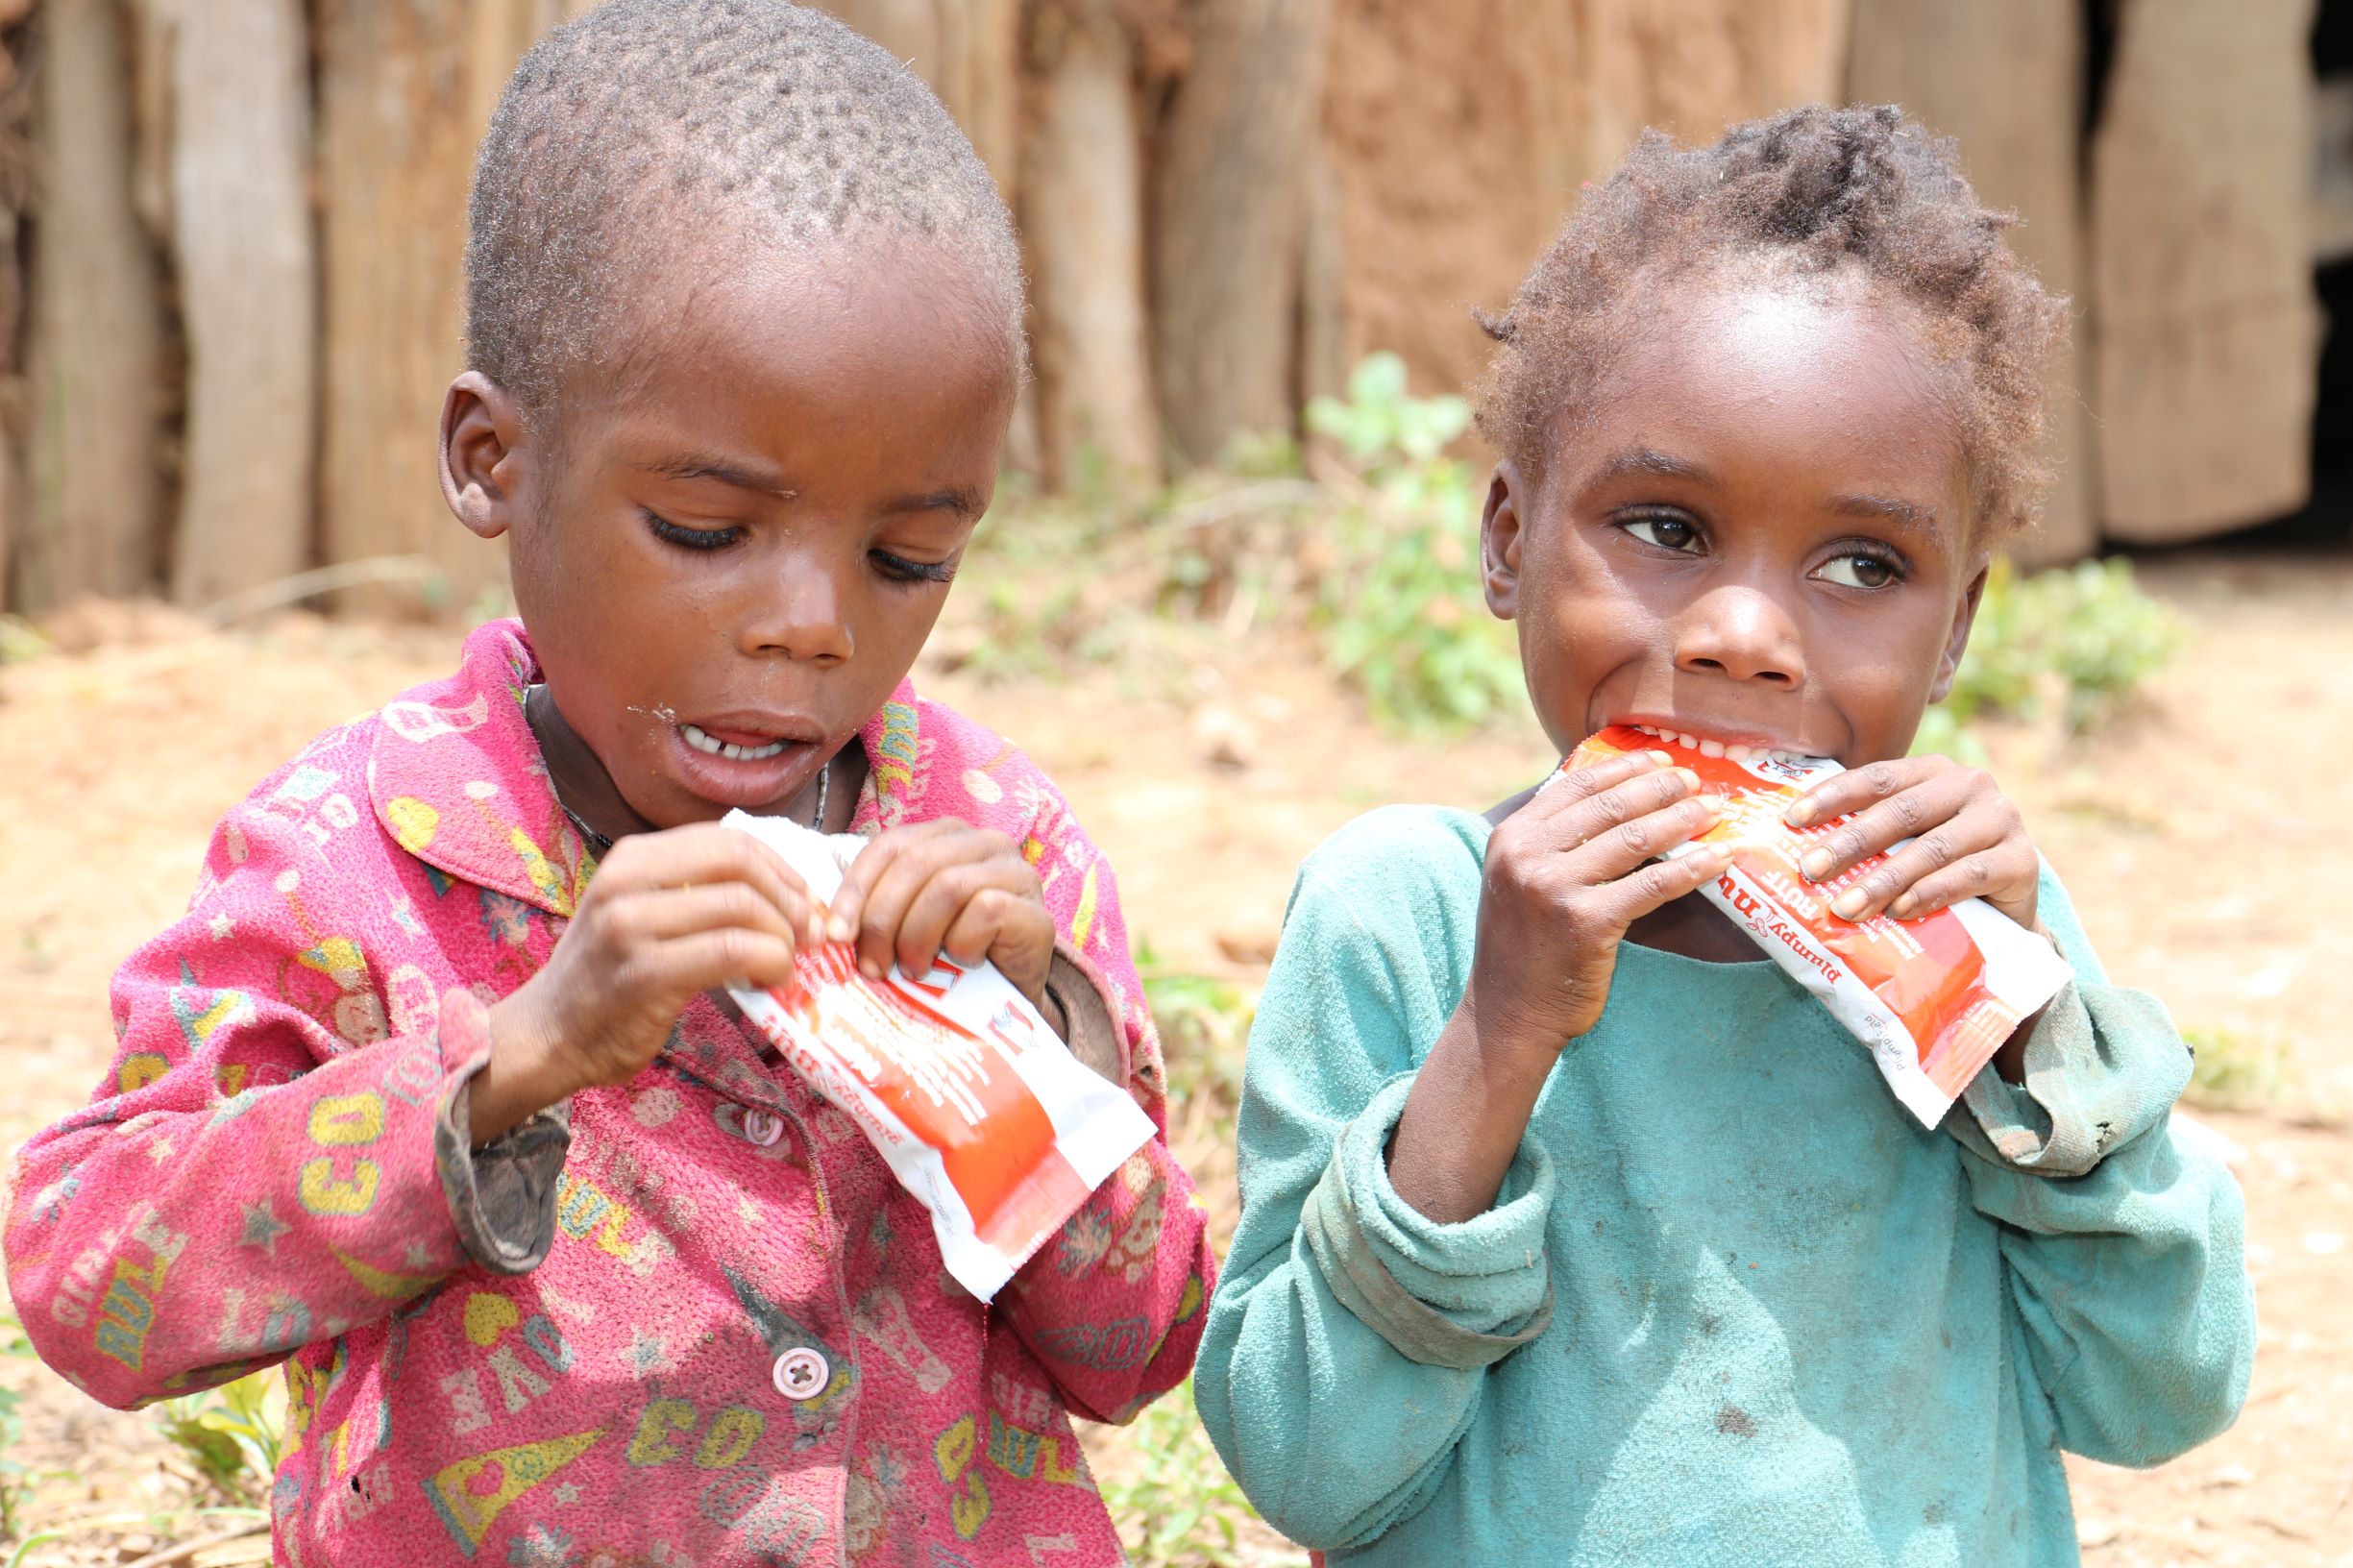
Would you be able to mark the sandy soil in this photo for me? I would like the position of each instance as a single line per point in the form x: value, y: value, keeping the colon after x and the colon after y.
x: 2199, y: 835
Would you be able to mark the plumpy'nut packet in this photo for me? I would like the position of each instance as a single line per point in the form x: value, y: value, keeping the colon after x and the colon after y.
x: 1933, y: 997
x: 978, y: 1107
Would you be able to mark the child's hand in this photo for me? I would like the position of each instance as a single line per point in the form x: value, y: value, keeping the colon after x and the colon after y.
x: 945, y: 886
x: 1969, y: 840
x: 1566, y: 874
x: 670, y: 915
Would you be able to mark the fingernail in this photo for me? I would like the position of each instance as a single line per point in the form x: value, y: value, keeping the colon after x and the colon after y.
x: 1691, y: 780
x: 1660, y: 757
x: 839, y: 930
x: 1799, y: 814
x: 869, y: 968
x: 1849, y: 904
x: 1902, y: 907
x: 1815, y: 864
x: 1711, y: 804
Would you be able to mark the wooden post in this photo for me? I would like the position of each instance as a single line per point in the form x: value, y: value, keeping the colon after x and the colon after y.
x: 1229, y: 210
x: 1082, y: 223
x: 97, y: 325
x: 405, y: 87
x: 236, y: 79
x: 2205, y: 329
x: 2005, y: 77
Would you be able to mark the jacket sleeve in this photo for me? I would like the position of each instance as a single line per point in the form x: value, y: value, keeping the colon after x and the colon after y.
x: 1111, y: 1305
x: 2122, y: 1230
x: 262, y: 1168
x: 1339, y: 1297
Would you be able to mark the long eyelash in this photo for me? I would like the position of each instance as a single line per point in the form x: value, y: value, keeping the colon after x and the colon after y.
x: 907, y: 571
x: 691, y: 538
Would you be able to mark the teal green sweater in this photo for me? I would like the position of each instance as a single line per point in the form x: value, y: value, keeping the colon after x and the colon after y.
x: 1733, y: 1304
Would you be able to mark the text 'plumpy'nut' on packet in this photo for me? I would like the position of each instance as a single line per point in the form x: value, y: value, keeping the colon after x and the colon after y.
x: 1933, y: 997
x: 977, y: 1106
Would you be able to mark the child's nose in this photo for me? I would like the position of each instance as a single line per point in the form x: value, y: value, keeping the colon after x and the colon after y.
x: 802, y: 618
x: 1743, y: 633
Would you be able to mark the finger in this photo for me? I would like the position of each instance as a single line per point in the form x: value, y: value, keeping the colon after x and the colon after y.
x: 992, y: 917
x: 664, y: 914
x: 731, y: 955
x: 941, y: 902
x: 1926, y: 809
x: 872, y: 864
x: 1974, y: 831
x: 705, y: 852
x: 1654, y: 886
x: 1617, y: 850
x: 1858, y: 787
x: 2005, y: 876
x: 1566, y: 789
x: 894, y: 894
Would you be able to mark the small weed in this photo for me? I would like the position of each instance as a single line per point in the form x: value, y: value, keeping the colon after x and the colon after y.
x: 2078, y: 640
x: 1204, y: 1024
x: 233, y: 1434
x: 15, y: 1477
x: 1181, y: 1509
x: 2233, y: 1072
x: 1399, y: 601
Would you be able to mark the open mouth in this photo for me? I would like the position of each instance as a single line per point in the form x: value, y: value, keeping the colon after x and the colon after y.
x: 1708, y: 745
x: 733, y: 745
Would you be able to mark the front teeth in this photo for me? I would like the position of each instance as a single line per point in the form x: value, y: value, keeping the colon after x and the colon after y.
x: 697, y: 738
x: 1719, y: 749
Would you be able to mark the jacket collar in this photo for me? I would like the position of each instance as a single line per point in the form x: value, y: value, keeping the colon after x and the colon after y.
x: 456, y: 777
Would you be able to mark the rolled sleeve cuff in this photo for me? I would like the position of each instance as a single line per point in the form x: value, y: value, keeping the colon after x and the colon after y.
x: 1090, y: 1013
x: 2103, y: 1066
x: 1461, y: 1296
x: 502, y: 1195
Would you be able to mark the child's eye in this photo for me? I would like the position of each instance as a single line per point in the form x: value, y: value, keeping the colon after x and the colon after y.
x: 1674, y: 533
x: 899, y: 569
x: 1856, y: 570
x: 691, y: 538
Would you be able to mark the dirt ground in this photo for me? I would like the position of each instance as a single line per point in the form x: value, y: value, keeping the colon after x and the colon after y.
x: 2200, y: 836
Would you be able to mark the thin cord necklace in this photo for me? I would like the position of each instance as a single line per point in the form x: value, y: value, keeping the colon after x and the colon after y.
x: 602, y: 843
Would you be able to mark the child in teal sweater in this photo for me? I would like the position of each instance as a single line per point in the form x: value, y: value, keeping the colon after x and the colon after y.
x: 1573, y: 1231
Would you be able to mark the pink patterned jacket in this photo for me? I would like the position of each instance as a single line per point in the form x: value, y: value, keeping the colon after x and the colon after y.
x: 691, y: 1321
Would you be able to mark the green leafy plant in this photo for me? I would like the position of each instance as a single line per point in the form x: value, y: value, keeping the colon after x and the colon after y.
x: 235, y: 1435
x: 1398, y: 601
x: 2231, y: 1071
x: 1204, y: 1024
x: 2077, y: 640
x: 1180, y: 1509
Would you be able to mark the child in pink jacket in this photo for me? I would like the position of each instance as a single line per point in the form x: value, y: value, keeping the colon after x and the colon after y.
x: 430, y: 1097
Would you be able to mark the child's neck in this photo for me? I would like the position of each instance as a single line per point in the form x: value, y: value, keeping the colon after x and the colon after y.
x: 1694, y: 929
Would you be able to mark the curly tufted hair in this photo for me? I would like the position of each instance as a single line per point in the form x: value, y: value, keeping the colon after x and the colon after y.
x: 1815, y: 193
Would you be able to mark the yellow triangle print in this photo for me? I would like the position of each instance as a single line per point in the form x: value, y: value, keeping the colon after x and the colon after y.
x: 470, y: 1494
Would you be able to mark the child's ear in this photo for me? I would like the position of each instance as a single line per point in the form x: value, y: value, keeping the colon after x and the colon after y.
x: 1956, y: 643
x: 1498, y: 540
x: 482, y: 453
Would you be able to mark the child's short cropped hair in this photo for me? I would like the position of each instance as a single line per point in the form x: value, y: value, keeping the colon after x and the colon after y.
x: 650, y: 132
x: 1814, y: 191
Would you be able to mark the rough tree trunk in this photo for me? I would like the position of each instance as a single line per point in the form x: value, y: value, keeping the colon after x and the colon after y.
x: 2005, y: 77
x: 405, y: 87
x: 1228, y: 208
x: 234, y: 81
x: 1082, y: 221
x: 16, y: 196
x: 2205, y: 327
x: 97, y: 325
